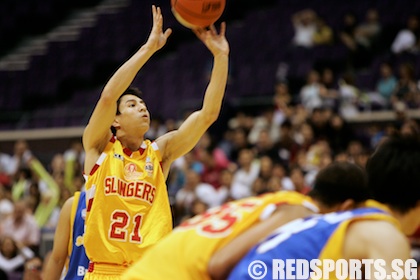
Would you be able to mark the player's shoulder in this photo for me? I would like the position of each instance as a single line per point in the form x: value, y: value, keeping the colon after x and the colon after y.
x: 363, y: 235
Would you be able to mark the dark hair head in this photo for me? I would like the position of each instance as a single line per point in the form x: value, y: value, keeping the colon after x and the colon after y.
x: 338, y: 182
x: 132, y: 91
x: 129, y: 91
x: 393, y: 172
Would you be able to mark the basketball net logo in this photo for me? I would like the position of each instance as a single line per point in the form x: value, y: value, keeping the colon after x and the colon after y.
x: 131, y: 173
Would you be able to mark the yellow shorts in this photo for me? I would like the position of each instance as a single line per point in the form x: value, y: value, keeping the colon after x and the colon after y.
x: 102, y: 271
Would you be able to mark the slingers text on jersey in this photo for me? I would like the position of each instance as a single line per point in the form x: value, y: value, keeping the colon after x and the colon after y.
x: 136, y: 189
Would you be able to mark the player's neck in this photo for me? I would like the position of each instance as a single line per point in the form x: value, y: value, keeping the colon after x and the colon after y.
x: 408, y: 220
x: 131, y: 142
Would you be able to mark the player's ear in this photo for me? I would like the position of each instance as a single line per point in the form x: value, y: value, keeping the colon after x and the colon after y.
x: 116, y: 123
x: 348, y: 204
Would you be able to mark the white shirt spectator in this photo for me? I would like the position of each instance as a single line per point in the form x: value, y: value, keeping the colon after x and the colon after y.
x: 310, y: 96
x: 27, y: 232
x: 404, y: 41
x: 211, y: 196
x: 304, y: 35
x: 242, y: 182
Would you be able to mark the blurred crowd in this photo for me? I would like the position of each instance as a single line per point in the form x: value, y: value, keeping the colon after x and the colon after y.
x: 282, y: 147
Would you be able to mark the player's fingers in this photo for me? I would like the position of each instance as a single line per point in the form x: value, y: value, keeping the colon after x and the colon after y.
x: 167, y: 33
x: 153, y: 11
x: 223, y: 29
x: 213, y: 29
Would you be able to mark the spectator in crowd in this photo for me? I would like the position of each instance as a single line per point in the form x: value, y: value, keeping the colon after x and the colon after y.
x: 298, y: 179
x: 386, y: 85
x: 74, y: 158
x: 286, y: 148
x: 348, y: 27
x: 323, y: 34
x: 304, y: 24
x: 349, y: 96
x: 5, y: 164
x: 407, y: 38
x: 13, y: 256
x: 22, y: 226
x: 6, y: 203
x: 282, y: 101
x: 265, y: 121
x: 310, y: 93
x: 406, y: 90
x: 246, y: 174
x: 20, y: 158
x: 187, y: 194
x: 362, y: 43
x: 339, y: 133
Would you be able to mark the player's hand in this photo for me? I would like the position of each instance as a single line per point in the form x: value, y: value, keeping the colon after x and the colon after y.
x: 215, y: 42
x: 157, y: 38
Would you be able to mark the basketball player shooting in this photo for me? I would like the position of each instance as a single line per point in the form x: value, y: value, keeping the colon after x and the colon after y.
x: 127, y: 203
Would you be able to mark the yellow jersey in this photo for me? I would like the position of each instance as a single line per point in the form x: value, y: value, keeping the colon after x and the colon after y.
x: 127, y: 205
x: 185, y: 253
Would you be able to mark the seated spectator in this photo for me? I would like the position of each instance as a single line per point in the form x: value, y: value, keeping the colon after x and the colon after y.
x: 348, y: 27
x: 349, y: 97
x: 310, y: 93
x: 304, y: 23
x: 245, y: 176
x: 298, y: 178
x: 386, y: 85
x: 363, y: 41
x: 13, y: 257
x: 406, y: 39
x: 6, y: 204
x: 22, y: 226
x: 406, y: 90
x: 323, y: 33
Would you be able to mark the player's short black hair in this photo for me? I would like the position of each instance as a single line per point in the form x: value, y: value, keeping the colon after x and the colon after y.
x: 132, y: 91
x: 338, y: 182
x: 394, y: 172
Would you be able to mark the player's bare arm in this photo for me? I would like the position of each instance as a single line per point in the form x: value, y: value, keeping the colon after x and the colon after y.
x: 59, y: 252
x: 181, y: 141
x: 97, y: 133
x: 224, y: 260
x: 376, y: 240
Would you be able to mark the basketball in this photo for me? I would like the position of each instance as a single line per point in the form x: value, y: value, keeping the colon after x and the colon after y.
x: 197, y: 13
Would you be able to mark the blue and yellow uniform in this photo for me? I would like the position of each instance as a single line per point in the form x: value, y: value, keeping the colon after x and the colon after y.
x: 185, y: 253
x: 78, y: 261
x: 314, y: 237
x: 127, y: 207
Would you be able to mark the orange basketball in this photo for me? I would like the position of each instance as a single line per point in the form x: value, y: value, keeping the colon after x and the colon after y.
x: 197, y: 13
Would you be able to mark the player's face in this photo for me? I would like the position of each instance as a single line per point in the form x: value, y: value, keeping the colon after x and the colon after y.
x: 133, y: 110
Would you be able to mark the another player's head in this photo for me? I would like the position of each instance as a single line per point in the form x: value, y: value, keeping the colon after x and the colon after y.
x: 131, y: 111
x: 340, y: 186
x: 394, y: 178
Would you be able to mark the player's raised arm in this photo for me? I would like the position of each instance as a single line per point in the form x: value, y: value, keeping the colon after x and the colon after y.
x: 178, y: 143
x: 97, y: 132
